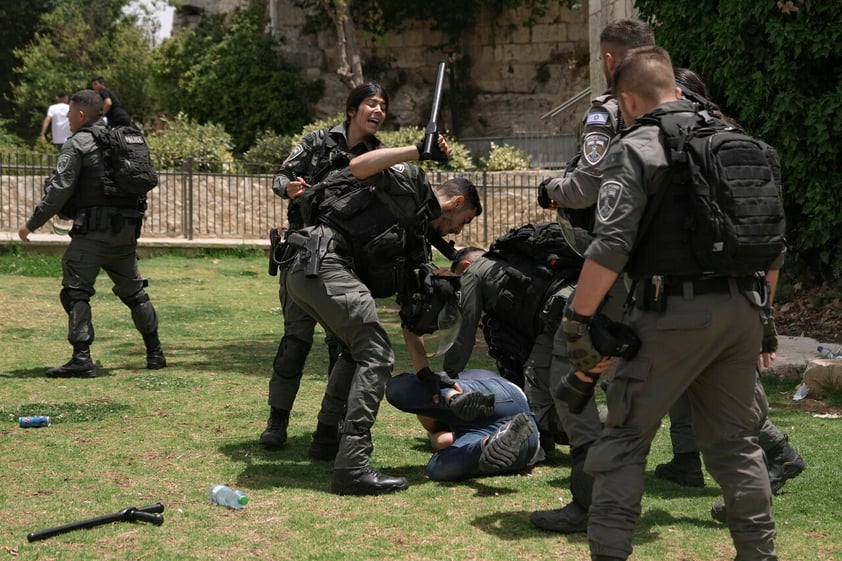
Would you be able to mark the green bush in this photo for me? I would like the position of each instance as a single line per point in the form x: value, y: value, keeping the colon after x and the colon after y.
x: 209, y: 146
x: 506, y: 158
x: 460, y: 160
x: 269, y: 151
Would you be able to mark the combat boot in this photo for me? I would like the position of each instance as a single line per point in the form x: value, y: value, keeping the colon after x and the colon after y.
x: 503, y: 447
x: 365, y: 481
x: 79, y: 366
x: 154, y: 353
x: 572, y: 519
x: 325, y: 443
x: 783, y: 463
x: 684, y: 469
x: 275, y: 435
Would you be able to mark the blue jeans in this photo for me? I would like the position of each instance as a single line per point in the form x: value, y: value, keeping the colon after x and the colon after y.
x: 461, y: 459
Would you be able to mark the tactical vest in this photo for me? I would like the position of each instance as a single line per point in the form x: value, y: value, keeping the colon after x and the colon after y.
x: 383, y: 249
x: 89, y: 192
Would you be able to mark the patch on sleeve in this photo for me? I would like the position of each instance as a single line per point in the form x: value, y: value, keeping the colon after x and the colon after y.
x: 595, y: 146
x: 294, y: 154
x: 609, y: 199
x: 399, y: 168
x: 597, y: 117
x: 63, y: 162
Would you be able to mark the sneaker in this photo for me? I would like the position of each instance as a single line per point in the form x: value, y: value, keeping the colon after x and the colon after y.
x: 80, y: 366
x: 471, y: 405
x: 325, y: 443
x: 275, y: 435
x: 572, y: 519
x: 503, y: 447
x: 684, y: 469
x: 784, y: 463
x: 365, y: 481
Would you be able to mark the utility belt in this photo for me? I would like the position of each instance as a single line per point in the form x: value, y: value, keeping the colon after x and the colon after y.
x: 104, y: 219
x: 650, y: 294
x: 309, y: 245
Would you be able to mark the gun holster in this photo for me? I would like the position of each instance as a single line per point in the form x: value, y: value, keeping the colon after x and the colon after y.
x: 275, y: 257
x: 316, y: 247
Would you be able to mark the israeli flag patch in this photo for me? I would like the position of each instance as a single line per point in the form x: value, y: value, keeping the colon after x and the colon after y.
x: 597, y: 118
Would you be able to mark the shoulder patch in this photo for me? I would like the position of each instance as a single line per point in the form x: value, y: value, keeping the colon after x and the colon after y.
x: 63, y: 162
x: 294, y: 154
x: 595, y: 146
x: 609, y: 200
x: 399, y: 168
x: 597, y: 117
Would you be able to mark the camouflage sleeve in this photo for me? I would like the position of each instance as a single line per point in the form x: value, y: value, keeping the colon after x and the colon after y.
x: 634, y: 168
x: 297, y: 164
x: 60, y: 186
x: 579, y: 187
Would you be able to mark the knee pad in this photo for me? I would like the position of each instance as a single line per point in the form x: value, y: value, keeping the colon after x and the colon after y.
x: 143, y: 313
x: 135, y: 300
x: 289, y: 360
x: 69, y: 296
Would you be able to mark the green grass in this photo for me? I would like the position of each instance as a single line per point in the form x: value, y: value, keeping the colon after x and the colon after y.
x: 135, y: 437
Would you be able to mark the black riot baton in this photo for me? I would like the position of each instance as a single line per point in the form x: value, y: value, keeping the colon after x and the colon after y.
x: 430, y: 136
x: 150, y: 513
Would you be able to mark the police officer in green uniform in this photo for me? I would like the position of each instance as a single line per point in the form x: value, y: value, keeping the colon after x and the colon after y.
x: 320, y: 154
x: 369, y: 234
x: 575, y: 195
x: 703, y: 337
x: 104, y: 236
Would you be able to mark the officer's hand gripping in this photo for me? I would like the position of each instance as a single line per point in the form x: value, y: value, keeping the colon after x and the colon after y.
x: 434, y: 381
x: 435, y: 153
x: 544, y: 200
x: 580, y: 349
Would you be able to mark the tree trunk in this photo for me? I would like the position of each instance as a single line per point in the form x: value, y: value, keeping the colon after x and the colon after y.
x: 350, y: 68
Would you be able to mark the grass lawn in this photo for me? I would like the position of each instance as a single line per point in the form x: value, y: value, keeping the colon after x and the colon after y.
x: 131, y: 437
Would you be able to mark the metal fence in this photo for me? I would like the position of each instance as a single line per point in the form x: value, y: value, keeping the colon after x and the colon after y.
x: 189, y: 205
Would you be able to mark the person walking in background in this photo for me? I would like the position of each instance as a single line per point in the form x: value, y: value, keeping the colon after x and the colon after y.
x: 104, y: 236
x: 57, y: 117
x: 112, y: 109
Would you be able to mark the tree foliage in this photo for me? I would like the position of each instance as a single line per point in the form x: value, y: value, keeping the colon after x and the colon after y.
x: 777, y: 68
x: 78, y: 40
x: 230, y: 74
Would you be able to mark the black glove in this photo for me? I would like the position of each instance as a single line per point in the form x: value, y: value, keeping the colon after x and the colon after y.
x: 434, y: 381
x: 613, y: 338
x: 769, y: 344
x: 471, y: 405
x: 580, y: 350
x: 543, y: 196
x: 435, y: 152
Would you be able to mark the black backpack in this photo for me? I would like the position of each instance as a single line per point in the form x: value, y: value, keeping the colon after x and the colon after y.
x: 128, y: 164
x: 736, y: 223
x: 539, y: 262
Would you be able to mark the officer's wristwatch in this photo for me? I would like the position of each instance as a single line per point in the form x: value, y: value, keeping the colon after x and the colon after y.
x: 571, y: 315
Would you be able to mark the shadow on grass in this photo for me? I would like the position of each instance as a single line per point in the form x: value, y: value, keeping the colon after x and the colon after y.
x: 41, y: 372
x: 290, y: 467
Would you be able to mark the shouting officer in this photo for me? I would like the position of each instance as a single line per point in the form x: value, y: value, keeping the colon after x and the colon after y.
x: 104, y: 236
x: 367, y: 239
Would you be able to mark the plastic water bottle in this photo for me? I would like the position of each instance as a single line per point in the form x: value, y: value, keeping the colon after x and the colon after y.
x: 827, y: 353
x: 226, y: 496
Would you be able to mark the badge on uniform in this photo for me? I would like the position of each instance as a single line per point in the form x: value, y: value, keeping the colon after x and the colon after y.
x: 595, y: 146
x: 609, y: 200
x: 294, y: 154
x: 596, y: 118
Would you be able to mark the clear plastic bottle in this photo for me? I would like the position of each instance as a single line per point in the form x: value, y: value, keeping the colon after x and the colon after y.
x: 827, y: 353
x: 226, y: 496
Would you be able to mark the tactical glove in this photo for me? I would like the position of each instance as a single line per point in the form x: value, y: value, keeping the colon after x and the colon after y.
x: 435, y: 152
x: 580, y: 350
x: 434, y: 381
x: 613, y: 338
x: 543, y: 195
x: 471, y: 405
x: 770, y: 334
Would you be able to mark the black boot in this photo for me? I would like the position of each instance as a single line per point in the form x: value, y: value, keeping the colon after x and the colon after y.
x: 325, y: 444
x: 365, y: 481
x: 684, y: 469
x: 275, y: 435
x: 79, y: 366
x: 154, y: 353
x: 783, y: 463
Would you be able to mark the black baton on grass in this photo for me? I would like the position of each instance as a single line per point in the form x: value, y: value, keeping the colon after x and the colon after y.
x: 150, y: 513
